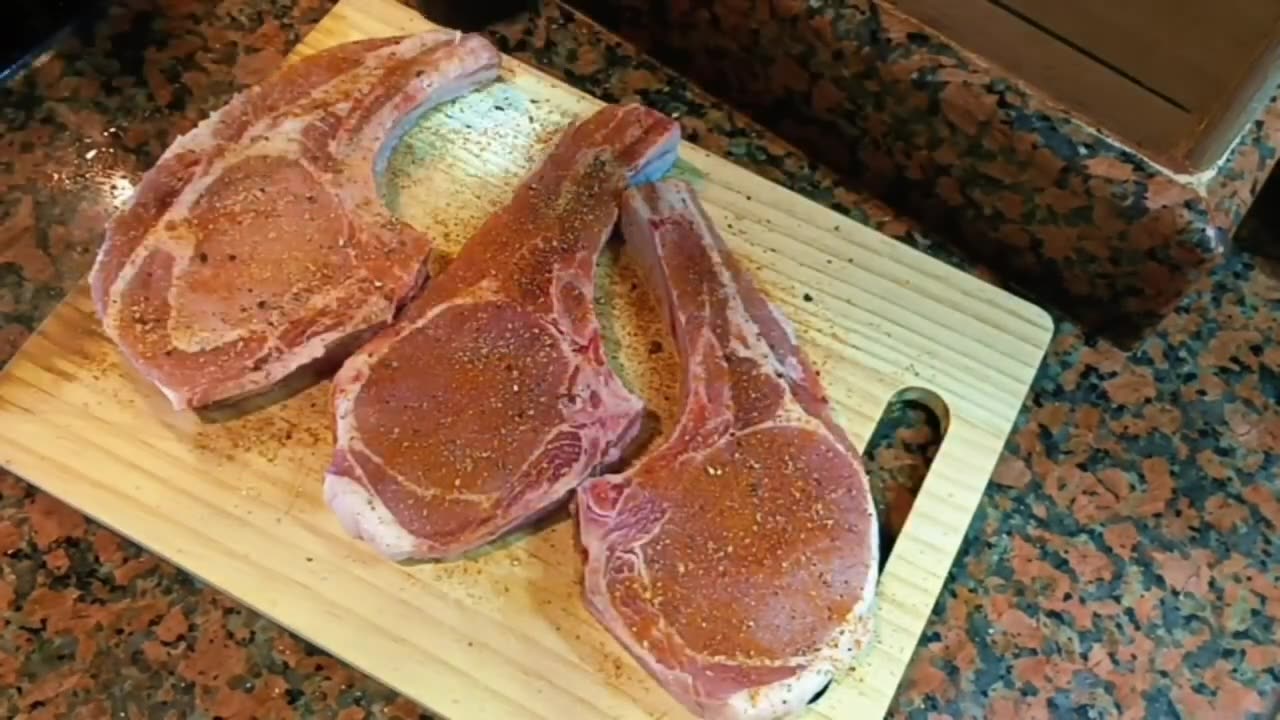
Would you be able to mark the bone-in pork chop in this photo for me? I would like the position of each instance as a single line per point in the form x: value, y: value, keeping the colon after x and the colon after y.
x: 491, y: 398
x: 258, y: 243
x: 737, y: 560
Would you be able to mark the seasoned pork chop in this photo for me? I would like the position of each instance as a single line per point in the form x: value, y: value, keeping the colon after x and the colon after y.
x: 258, y: 243
x: 736, y: 561
x: 491, y: 398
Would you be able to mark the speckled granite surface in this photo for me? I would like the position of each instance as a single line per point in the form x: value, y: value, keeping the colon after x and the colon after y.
x: 1079, y: 220
x: 1122, y: 564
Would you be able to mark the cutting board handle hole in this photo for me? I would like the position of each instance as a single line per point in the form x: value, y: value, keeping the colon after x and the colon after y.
x: 899, y: 453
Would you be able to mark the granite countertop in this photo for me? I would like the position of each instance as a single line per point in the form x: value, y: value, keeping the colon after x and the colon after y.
x: 1122, y: 564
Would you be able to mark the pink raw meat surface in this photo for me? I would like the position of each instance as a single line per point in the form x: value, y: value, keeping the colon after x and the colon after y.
x: 491, y: 399
x: 737, y: 561
x: 258, y: 243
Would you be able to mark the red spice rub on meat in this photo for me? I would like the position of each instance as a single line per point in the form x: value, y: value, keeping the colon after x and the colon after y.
x: 258, y: 243
x: 492, y: 398
x: 737, y: 561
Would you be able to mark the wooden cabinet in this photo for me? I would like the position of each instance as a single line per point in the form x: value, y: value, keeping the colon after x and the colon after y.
x: 1174, y: 79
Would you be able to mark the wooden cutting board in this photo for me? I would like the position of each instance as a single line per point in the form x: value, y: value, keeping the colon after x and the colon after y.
x: 237, y: 501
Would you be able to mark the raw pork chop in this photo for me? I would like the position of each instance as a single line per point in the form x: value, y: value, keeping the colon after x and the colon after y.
x: 738, y: 560
x: 258, y: 243
x: 491, y: 398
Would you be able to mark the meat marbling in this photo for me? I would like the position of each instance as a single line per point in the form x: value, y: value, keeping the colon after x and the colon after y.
x: 737, y: 560
x: 258, y: 243
x: 491, y: 398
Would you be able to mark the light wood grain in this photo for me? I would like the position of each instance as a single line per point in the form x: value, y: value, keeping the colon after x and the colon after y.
x: 506, y: 635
